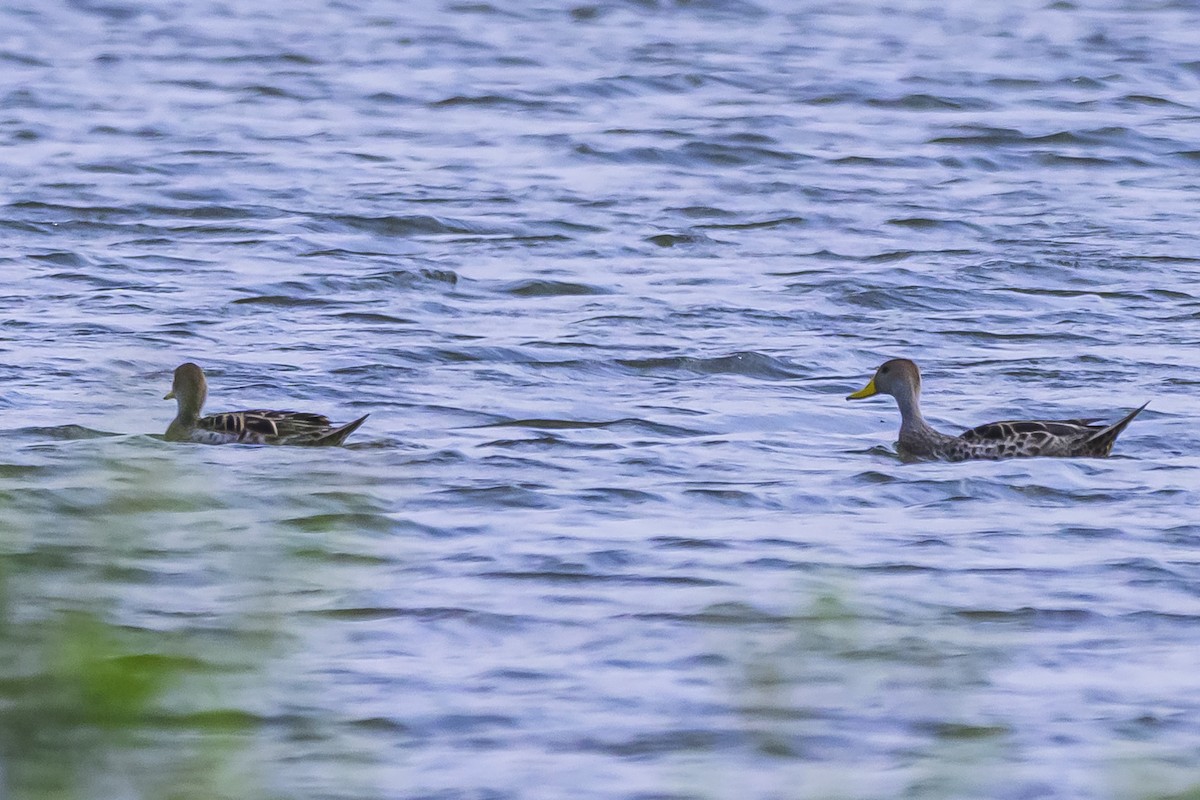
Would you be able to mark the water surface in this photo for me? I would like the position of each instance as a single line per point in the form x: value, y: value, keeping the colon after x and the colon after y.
x: 602, y: 275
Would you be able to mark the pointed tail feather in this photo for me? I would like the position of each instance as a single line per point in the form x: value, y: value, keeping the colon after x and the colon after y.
x: 1103, y: 439
x: 338, y: 435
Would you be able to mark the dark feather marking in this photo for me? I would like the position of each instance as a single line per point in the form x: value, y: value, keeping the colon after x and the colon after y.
x: 262, y: 426
x: 1076, y: 437
x: 1002, y: 431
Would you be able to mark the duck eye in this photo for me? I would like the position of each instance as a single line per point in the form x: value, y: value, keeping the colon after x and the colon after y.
x: 884, y: 370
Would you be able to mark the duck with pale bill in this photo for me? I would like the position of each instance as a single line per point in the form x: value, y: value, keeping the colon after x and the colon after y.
x: 1012, y: 439
x: 190, y: 389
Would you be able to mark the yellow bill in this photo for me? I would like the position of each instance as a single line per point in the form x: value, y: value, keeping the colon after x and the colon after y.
x: 866, y: 391
x: 169, y: 395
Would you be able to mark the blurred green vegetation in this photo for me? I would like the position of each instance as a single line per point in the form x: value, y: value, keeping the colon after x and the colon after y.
x: 93, y: 706
x: 87, y: 710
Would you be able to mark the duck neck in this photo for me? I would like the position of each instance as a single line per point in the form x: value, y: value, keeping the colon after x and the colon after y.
x: 912, y: 424
x: 181, y: 427
x: 189, y: 406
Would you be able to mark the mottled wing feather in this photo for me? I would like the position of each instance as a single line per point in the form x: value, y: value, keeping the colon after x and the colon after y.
x: 289, y: 423
x: 1006, y: 431
x: 1015, y: 439
x: 263, y: 426
x: 1020, y: 438
x: 222, y: 423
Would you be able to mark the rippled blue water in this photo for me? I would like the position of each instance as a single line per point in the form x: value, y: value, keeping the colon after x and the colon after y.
x: 602, y: 274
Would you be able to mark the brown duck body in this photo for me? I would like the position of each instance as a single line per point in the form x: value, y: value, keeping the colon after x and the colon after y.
x: 1010, y: 439
x: 258, y: 426
x: 1065, y: 438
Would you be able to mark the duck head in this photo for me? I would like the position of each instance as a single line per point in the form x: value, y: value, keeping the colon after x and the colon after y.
x: 189, y: 390
x: 899, y: 377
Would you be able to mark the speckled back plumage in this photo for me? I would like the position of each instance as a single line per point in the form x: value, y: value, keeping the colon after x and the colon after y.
x: 1025, y: 439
